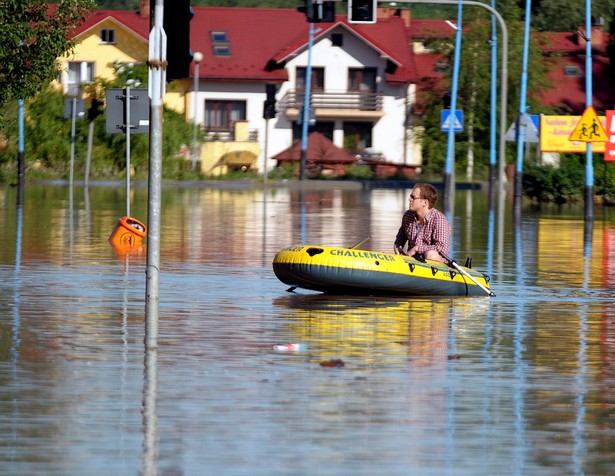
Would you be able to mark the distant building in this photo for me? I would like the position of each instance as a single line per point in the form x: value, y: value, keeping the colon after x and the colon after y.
x: 365, y: 83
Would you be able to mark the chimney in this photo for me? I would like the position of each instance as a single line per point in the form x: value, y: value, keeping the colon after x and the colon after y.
x: 597, y: 38
x: 144, y: 8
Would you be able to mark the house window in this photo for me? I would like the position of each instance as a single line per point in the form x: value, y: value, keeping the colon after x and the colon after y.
x: 220, y: 43
x: 362, y: 79
x: 337, y: 39
x: 79, y: 72
x: 222, y: 50
x: 220, y: 115
x: 107, y: 36
x: 357, y: 136
x: 572, y: 71
x: 318, y: 79
x: 441, y: 67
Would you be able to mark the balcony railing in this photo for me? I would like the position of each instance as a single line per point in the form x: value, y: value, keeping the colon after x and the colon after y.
x: 350, y: 100
x: 229, y: 136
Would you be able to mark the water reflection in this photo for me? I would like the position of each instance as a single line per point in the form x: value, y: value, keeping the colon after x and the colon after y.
x: 521, y: 383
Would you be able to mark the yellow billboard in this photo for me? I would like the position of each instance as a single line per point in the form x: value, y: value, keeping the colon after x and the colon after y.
x: 555, y: 132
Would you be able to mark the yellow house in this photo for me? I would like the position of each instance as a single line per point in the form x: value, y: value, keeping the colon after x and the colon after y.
x: 116, y: 36
x: 106, y: 36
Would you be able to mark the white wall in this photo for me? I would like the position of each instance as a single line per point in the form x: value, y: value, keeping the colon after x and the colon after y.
x: 388, y: 131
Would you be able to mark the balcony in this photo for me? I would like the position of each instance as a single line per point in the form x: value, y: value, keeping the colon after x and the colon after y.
x: 334, y: 105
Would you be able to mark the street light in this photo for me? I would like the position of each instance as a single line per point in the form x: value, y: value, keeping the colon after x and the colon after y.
x: 197, y: 58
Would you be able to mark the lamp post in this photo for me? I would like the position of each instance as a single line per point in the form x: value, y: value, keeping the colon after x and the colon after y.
x: 197, y: 58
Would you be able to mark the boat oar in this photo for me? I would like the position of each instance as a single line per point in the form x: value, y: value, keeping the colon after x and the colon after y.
x: 464, y: 272
x: 356, y: 245
x: 363, y: 241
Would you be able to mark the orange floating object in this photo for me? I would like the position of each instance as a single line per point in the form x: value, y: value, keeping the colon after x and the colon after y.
x: 128, y: 233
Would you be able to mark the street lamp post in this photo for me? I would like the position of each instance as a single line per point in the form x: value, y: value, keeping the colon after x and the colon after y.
x: 197, y: 58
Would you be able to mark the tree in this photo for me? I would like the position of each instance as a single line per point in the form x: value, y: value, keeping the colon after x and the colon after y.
x: 33, y: 35
x: 474, y: 88
x: 564, y: 15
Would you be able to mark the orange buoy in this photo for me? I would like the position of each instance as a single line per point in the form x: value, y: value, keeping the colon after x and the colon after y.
x: 128, y: 233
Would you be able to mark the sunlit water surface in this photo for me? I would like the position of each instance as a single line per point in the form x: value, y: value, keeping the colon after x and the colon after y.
x: 522, y: 383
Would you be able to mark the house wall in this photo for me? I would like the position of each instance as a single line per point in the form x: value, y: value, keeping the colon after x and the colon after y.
x: 127, y: 48
x: 388, y: 132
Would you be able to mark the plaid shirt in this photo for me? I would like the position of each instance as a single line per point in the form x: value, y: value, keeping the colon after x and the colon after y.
x: 434, y: 234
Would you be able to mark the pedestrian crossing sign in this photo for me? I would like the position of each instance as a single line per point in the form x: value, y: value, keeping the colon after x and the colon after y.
x: 589, y: 128
x: 451, y: 120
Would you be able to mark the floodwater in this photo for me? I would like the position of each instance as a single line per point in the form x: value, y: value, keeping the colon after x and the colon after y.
x: 521, y: 383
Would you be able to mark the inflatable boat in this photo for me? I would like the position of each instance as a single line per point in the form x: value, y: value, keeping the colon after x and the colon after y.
x: 346, y: 270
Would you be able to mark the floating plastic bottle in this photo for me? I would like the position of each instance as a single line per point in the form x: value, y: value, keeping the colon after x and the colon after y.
x: 289, y: 347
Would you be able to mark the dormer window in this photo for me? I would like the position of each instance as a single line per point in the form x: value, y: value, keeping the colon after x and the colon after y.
x: 107, y: 36
x: 572, y: 71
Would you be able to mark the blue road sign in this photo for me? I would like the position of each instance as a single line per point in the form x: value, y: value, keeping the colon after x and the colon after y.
x: 445, y: 120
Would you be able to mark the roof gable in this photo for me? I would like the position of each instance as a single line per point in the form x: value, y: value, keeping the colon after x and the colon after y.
x: 132, y: 22
x: 261, y: 40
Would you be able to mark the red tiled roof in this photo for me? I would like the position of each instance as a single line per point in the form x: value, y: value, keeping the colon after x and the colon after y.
x: 131, y: 20
x: 570, y: 92
x: 565, y: 42
x: 429, y: 29
x: 319, y: 149
x: 261, y: 36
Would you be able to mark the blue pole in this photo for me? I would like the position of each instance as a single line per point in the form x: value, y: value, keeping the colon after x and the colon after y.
x: 522, y: 109
x: 450, y: 150
x: 306, y: 104
x: 494, y: 80
x: 589, y: 161
x: 20, y: 154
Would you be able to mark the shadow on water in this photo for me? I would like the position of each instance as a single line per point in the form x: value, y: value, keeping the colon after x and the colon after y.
x: 517, y: 384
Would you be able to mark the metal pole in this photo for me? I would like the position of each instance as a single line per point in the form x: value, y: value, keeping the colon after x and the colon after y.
x: 73, y: 120
x: 197, y: 58
x: 589, y: 158
x: 266, y: 151
x: 449, y: 171
x: 306, y: 104
x: 494, y: 81
x: 88, y: 158
x: 521, y: 125
x: 156, y: 87
x: 504, y: 80
x: 20, y: 155
x: 127, y: 99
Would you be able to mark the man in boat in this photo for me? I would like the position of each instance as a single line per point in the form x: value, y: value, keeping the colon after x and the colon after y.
x: 424, y: 228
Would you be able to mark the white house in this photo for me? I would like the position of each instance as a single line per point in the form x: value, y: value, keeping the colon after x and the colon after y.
x: 362, y: 83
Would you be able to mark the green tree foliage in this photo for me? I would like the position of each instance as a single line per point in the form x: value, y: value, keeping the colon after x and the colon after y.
x: 474, y: 90
x: 33, y: 34
x: 564, y: 15
x: 48, y: 133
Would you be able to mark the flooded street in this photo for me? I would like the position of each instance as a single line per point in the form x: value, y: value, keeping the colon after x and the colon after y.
x: 521, y: 383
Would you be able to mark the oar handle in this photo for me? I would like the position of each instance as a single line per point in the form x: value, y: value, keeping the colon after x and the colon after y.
x: 464, y: 272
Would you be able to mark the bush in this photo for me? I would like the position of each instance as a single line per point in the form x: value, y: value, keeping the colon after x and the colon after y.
x: 359, y: 172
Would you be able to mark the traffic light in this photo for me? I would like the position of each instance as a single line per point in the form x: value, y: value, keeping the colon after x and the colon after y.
x: 95, y: 109
x: 318, y: 11
x: 269, y: 106
x: 176, y: 24
x: 362, y: 11
x: 446, y: 100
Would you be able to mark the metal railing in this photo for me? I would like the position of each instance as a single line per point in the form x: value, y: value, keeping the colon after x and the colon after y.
x: 229, y: 136
x: 352, y: 100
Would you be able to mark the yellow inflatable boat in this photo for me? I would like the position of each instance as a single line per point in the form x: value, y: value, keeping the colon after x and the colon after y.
x: 347, y: 270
